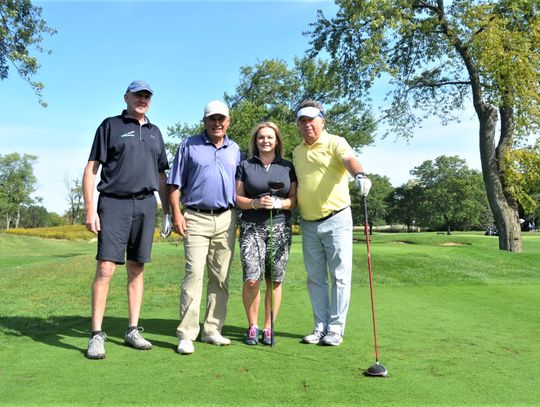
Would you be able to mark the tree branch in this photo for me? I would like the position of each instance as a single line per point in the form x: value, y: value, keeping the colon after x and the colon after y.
x: 439, y: 84
x: 423, y: 5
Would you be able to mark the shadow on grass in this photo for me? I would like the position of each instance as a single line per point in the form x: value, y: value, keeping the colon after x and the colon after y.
x: 67, y: 255
x: 51, y: 331
x: 57, y: 330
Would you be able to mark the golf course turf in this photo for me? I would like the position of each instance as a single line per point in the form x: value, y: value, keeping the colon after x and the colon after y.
x: 457, y: 325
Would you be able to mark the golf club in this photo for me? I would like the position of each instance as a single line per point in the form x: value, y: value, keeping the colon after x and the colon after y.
x: 275, y: 187
x: 376, y: 370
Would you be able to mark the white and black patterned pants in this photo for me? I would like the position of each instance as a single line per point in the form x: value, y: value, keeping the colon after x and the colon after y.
x: 255, y: 242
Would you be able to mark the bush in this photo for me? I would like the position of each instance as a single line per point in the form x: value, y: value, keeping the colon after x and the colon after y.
x: 67, y: 232
x: 75, y: 232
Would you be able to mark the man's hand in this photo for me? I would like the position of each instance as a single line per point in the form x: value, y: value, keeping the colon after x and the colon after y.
x: 166, y: 226
x: 363, y: 183
x: 92, y: 222
x: 179, y: 223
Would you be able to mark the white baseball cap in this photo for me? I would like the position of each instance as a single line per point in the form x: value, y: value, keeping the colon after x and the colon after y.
x: 216, y: 107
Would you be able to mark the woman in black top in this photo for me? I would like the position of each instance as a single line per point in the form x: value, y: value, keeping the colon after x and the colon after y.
x: 262, y: 208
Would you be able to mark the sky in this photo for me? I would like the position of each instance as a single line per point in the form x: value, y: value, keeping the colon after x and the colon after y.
x: 190, y: 53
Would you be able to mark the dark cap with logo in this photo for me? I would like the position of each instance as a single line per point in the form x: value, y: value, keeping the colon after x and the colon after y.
x: 137, y: 86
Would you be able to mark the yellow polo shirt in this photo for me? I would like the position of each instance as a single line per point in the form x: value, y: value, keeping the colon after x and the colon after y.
x: 323, y: 184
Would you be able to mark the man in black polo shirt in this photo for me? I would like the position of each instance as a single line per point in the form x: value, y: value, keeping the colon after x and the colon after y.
x: 133, y: 160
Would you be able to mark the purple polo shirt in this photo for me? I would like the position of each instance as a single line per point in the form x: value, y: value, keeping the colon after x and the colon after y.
x: 205, y: 174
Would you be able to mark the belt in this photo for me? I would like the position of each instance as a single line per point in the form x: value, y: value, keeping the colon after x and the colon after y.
x: 137, y: 196
x: 329, y: 215
x: 209, y: 211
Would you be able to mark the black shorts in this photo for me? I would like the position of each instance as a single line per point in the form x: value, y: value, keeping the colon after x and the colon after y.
x: 127, y: 227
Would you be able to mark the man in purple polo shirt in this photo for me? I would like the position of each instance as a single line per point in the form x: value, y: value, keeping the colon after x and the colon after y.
x: 202, y: 179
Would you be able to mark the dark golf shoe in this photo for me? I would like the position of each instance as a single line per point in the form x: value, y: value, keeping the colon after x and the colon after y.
x: 267, y: 337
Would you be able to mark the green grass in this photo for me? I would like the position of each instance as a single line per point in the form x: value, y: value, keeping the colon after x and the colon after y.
x: 457, y: 326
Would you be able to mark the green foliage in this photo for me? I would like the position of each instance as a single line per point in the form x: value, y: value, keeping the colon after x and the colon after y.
x: 404, y: 205
x: 21, y: 33
x: 377, y: 201
x: 506, y: 46
x: 17, y: 183
x: 436, y: 55
x: 452, y: 195
x: 271, y: 90
x: 35, y: 216
x: 523, y: 174
x: 56, y: 220
x: 180, y: 131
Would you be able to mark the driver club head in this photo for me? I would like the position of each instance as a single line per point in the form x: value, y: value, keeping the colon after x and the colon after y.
x: 377, y: 370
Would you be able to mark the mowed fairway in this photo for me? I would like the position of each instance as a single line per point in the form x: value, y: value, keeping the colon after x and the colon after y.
x: 458, y: 325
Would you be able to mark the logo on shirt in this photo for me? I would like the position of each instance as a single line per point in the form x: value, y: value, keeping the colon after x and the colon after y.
x: 129, y: 134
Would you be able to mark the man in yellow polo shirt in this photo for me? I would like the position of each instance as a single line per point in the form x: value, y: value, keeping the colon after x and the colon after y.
x: 323, y: 163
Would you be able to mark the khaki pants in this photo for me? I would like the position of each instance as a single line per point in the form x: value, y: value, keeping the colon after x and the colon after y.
x: 209, y: 242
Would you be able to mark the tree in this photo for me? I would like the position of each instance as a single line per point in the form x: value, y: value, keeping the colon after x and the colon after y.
x: 377, y: 201
x: 180, y: 131
x: 21, y: 32
x: 271, y: 90
x: 17, y: 183
x: 56, y: 220
x: 37, y: 216
x: 451, y: 196
x: 75, y: 199
x: 34, y: 216
x: 438, y: 56
x: 404, y: 203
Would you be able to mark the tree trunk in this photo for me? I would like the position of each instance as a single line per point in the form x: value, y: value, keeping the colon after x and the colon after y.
x: 18, y: 218
x: 504, y: 211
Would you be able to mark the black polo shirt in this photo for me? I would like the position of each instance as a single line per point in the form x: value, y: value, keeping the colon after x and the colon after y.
x: 256, y: 177
x: 131, y: 155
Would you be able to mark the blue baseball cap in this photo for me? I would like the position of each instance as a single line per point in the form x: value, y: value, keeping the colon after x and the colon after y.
x: 137, y: 86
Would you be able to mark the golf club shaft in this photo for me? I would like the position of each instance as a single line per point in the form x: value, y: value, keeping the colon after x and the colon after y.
x: 366, y: 228
x: 272, y: 278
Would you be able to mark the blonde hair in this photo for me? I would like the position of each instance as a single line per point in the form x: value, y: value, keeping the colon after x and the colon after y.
x: 254, y: 150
